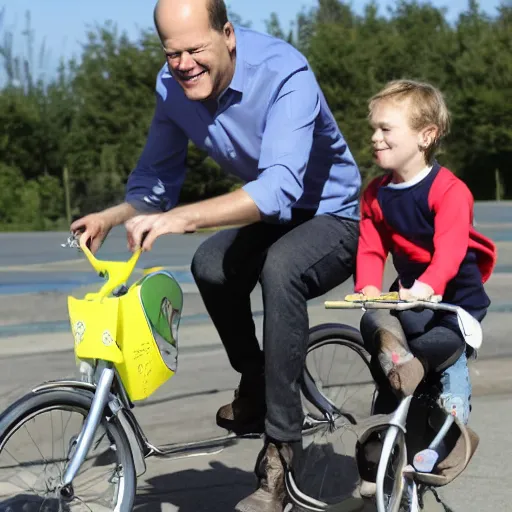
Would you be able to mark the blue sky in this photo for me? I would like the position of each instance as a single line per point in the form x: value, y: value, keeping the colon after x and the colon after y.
x: 61, y: 24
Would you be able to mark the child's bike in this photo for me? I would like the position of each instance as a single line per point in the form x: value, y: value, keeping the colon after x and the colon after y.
x: 404, y: 465
x: 76, y: 444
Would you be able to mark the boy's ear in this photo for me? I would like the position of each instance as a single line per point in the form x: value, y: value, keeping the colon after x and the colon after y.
x: 428, y: 136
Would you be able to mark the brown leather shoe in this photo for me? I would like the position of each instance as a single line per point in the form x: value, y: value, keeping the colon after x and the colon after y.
x: 271, y: 466
x: 246, y: 413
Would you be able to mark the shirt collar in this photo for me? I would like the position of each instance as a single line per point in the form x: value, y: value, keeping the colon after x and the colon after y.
x: 419, y: 177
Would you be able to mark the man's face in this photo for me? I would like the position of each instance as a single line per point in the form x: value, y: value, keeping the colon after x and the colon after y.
x: 200, y: 58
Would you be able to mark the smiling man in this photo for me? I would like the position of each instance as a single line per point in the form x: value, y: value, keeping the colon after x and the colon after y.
x: 252, y: 103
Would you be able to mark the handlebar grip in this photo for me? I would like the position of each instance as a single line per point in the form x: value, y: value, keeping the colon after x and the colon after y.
x: 342, y: 304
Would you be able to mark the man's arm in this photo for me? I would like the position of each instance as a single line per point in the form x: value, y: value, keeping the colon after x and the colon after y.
x: 286, y: 147
x: 119, y: 214
x: 234, y: 208
x: 155, y: 183
x: 229, y: 209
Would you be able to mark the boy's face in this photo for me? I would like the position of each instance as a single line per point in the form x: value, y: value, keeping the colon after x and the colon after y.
x: 396, y: 146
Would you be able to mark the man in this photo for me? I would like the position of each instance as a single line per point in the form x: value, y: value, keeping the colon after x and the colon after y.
x: 252, y: 102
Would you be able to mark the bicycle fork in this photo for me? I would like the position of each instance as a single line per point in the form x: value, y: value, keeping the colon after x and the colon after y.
x: 92, y: 422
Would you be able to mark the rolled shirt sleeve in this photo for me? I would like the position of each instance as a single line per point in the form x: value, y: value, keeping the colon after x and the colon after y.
x: 156, y: 181
x: 286, y: 146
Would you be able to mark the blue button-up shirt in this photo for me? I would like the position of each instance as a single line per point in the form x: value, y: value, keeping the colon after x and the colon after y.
x: 272, y: 128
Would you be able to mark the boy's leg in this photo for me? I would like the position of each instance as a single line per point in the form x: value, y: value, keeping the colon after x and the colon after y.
x: 383, y: 336
x: 456, y: 389
x: 442, y: 351
x: 386, y: 341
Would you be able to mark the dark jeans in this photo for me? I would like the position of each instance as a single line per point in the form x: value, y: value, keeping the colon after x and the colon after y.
x: 433, y: 337
x: 294, y: 263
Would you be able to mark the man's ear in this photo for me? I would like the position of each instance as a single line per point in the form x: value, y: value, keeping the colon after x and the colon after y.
x: 229, y: 36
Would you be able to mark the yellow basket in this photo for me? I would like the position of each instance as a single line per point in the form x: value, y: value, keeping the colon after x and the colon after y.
x: 136, y: 331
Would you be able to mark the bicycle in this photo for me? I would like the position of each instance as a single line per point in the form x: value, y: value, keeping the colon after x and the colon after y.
x: 126, y: 347
x: 401, y: 480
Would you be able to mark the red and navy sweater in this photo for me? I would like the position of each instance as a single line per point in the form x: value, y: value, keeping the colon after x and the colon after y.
x: 428, y: 229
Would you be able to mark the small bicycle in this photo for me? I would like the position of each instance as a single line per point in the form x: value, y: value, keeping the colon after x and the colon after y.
x: 75, y: 444
x: 402, y: 478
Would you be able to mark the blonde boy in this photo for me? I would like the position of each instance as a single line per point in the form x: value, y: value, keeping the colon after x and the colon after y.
x: 422, y: 214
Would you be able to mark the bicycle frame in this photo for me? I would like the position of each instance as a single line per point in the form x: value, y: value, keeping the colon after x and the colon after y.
x: 103, y: 396
x: 472, y: 333
x: 103, y: 383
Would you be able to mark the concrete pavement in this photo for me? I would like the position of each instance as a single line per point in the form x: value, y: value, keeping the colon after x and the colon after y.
x: 39, y: 348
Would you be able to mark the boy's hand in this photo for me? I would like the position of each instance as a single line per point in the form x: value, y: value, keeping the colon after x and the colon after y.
x: 371, y: 291
x: 418, y: 291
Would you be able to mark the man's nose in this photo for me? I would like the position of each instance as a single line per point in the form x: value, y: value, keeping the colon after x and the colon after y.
x: 377, y: 135
x: 186, y: 62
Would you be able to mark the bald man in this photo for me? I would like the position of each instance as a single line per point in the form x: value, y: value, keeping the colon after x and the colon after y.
x: 252, y: 103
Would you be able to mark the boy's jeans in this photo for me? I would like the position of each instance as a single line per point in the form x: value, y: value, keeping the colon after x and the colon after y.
x: 456, y: 394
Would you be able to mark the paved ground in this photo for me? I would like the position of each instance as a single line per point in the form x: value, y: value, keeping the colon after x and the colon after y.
x: 36, y: 275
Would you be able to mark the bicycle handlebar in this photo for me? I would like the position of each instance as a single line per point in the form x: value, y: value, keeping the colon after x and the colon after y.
x: 398, y: 305
x: 116, y: 273
x: 469, y: 326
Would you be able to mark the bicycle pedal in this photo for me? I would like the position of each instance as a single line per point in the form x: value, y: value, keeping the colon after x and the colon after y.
x: 425, y: 460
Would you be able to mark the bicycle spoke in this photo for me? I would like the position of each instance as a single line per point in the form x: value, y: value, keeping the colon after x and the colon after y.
x: 32, y: 439
x: 20, y: 464
x: 37, y: 465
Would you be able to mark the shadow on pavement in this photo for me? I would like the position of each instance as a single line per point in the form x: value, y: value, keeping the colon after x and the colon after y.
x: 220, y: 488
x: 217, y: 489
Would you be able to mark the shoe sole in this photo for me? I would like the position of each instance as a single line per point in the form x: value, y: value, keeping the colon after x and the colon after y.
x: 249, y: 429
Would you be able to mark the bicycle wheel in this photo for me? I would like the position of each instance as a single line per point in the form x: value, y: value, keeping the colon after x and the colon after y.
x: 337, y: 380
x: 337, y: 376
x: 37, y: 437
x: 392, y: 486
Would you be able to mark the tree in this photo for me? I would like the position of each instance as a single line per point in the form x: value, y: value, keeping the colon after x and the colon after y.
x: 481, y: 140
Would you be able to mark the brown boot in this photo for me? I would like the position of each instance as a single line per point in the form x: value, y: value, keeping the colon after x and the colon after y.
x: 246, y: 413
x: 271, y: 466
x: 405, y: 378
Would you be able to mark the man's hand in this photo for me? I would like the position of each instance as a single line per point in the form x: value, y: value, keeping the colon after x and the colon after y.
x: 143, y: 230
x: 234, y: 208
x: 418, y: 291
x: 95, y: 226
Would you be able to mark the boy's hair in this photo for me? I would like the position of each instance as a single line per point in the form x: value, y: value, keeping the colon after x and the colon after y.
x: 427, y: 107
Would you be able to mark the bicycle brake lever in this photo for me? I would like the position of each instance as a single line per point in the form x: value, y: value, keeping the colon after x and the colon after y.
x: 72, y: 241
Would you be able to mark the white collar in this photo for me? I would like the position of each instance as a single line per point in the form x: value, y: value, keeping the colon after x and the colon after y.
x: 406, y: 184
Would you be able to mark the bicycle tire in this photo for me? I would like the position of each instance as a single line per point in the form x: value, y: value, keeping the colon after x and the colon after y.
x: 335, y: 335
x: 391, y: 484
x: 326, y: 453
x: 29, y: 406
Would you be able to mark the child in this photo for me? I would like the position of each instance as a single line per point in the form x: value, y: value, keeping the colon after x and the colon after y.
x: 422, y: 214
